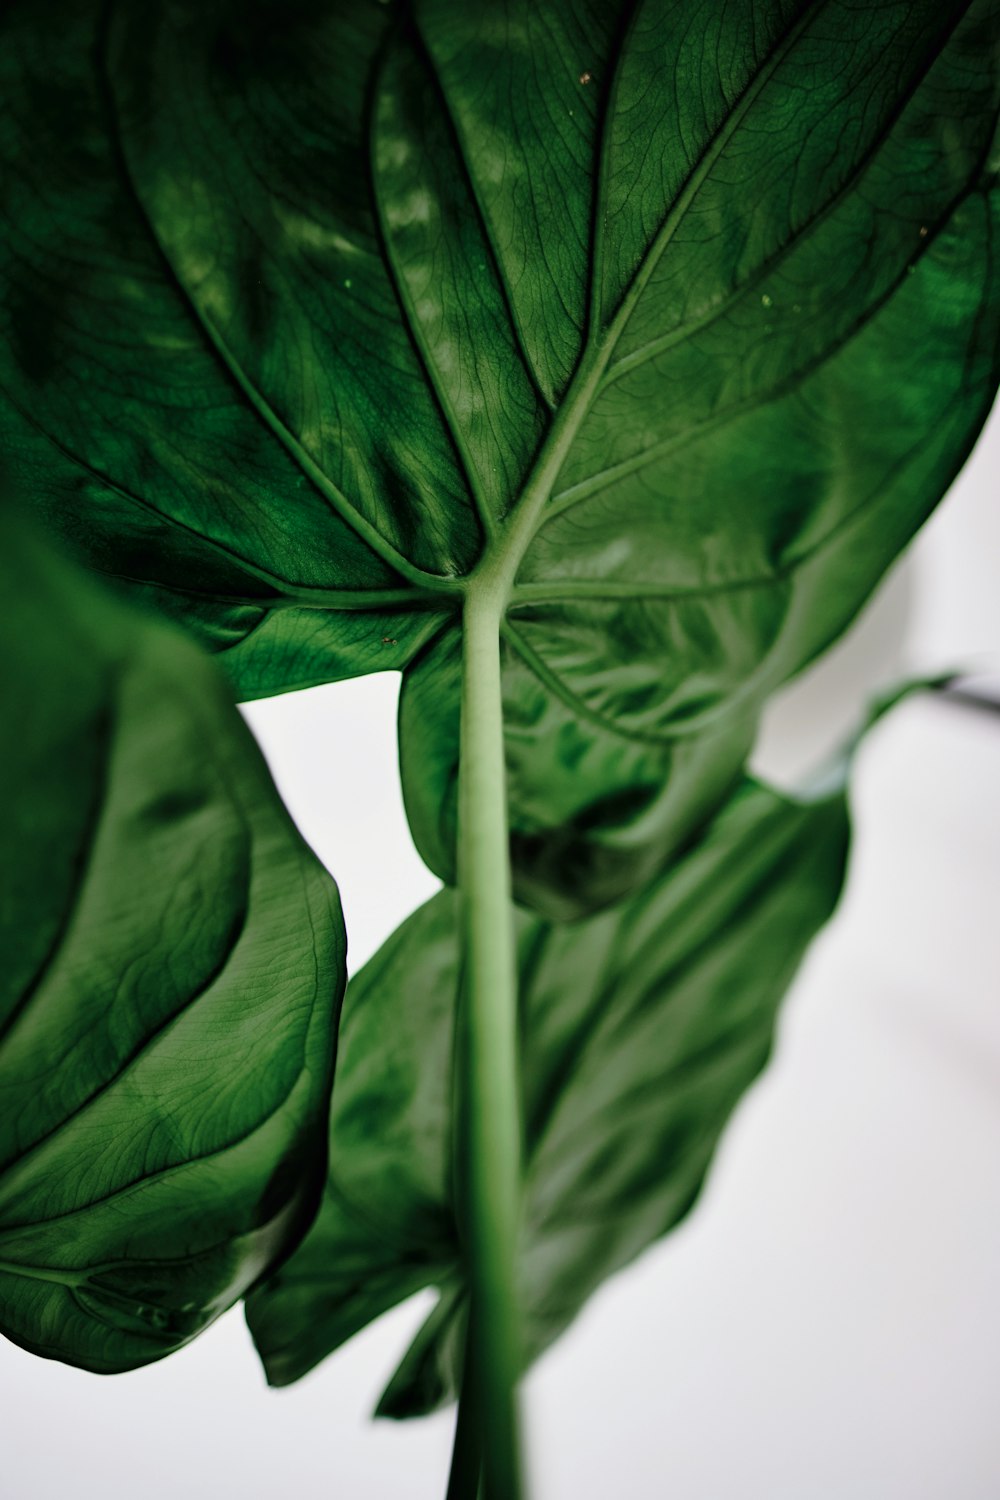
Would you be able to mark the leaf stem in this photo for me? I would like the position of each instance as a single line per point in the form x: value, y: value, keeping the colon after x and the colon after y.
x: 490, y: 1201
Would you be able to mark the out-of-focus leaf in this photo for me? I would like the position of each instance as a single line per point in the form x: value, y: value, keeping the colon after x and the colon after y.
x: 173, y: 962
x: 308, y: 306
x: 641, y: 1029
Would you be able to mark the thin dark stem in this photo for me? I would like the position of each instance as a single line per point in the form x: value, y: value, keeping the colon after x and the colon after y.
x: 968, y: 698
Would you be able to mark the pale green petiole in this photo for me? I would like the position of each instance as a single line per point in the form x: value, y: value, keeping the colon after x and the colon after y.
x: 490, y: 1104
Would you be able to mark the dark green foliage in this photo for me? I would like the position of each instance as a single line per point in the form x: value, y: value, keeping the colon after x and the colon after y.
x: 304, y: 303
x: 659, y: 327
x: 173, y: 961
x: 641, y: 1028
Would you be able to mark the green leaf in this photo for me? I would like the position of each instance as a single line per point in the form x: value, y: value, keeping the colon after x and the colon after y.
x: 641, y: 1028
x: 173, y: 967
x: 679, y: 317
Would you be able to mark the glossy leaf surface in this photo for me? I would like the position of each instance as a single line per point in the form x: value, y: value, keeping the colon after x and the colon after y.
x: 641, y: 1028
x: 173, y: 961
x: 683, y: 313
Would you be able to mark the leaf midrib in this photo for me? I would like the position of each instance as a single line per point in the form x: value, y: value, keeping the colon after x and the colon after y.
x: 503, y: 556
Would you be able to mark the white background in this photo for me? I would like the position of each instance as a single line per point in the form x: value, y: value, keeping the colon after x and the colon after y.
x: 826, y: 1326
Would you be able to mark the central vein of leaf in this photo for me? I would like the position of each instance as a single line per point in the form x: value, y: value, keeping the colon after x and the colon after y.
x: 496, y: 572
x: 498, y: 568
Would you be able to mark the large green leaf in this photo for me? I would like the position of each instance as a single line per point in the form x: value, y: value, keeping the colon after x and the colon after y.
x: 309, y: 307
x: 173, y: 962
x: 641, y: 1028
